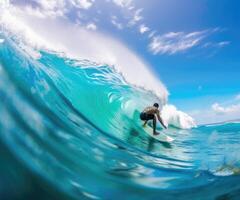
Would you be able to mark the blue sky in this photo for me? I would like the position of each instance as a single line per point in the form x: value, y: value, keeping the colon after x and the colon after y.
x: 192, y: 46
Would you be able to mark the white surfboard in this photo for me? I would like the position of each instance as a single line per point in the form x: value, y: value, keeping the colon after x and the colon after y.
x: 162, y: 137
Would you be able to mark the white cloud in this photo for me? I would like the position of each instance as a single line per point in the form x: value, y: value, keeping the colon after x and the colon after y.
x: 218, y: 109
x: 174, y: 42
x: 55, y: 8
x: 4, y: 3
x: 231, y: 106
x: 48, y: 8
x: 37, y: 12
x: 117, y: 24
x: 227, y: 110
x: 131, y: 8
x: 219, y: 112
x: 84, y: 4
x: 123, y: 3
x: 136, y: 17
x: 91, y: 26
x: 143, y: 28
x: 223, y: 43
x: 207, y: 116
x: 152, y: 34
x: 131, y: 13
x: 216, y: 45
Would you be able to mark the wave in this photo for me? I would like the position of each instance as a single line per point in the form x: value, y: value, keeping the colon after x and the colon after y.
x: 73, y: 124
x: 32, y: 39
x: 108, y: 50
x: 59, y: 112
x: 177, y: 118
x: 230, y: 122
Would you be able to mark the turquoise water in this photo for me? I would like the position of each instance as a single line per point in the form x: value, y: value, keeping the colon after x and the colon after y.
x: 72, y: 126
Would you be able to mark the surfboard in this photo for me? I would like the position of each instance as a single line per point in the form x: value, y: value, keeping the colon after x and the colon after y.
x: 162, y: 137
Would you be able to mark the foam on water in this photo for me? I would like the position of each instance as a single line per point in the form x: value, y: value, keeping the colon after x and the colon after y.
x: 172, y: 116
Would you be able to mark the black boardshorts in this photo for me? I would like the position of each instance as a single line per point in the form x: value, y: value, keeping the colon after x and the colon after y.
x: 144, y: 116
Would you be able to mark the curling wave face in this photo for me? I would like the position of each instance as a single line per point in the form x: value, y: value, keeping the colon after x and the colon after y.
x: 73, y: 124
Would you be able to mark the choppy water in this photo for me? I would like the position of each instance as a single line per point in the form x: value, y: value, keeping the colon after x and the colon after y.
x: 71, y: 126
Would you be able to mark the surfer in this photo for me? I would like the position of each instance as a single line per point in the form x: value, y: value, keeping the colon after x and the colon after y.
x: 150, y: 113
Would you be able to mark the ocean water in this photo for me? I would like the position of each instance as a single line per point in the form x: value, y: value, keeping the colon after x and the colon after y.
x: 69, y: 129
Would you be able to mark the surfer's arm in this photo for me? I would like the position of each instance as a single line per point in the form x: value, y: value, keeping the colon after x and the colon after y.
x: 161, y: 121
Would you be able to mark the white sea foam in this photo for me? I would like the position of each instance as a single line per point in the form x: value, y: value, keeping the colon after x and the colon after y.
x: 172, y: 116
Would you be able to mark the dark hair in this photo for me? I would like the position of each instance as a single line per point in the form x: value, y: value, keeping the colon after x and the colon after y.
x: 156, y: 105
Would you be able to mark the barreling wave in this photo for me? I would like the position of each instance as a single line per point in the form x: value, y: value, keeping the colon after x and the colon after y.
x: 83, y: 44
x: 74, y: 124
x: 64, y: 116
x: 133, y: 70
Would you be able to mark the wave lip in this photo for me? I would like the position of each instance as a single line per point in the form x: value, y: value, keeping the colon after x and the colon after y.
x: 82, y: 45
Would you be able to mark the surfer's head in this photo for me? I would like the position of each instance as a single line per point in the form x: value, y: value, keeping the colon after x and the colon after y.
x: 156, y: 105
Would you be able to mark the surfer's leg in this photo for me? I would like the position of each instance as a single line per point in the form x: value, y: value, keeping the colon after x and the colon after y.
x: 154, y: 125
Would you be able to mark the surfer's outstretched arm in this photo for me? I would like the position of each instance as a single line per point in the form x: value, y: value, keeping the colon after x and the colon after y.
x: 161, y: 121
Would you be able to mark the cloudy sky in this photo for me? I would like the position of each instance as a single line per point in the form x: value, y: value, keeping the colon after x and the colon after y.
x: 192, y: 46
